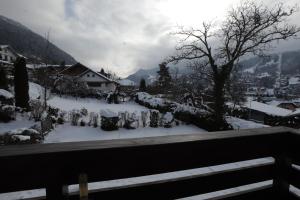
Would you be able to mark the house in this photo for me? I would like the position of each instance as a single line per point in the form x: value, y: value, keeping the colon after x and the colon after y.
x: 91, y: 78
x: 258, y: 111
x: 7, y: 57
x: 7, y: 54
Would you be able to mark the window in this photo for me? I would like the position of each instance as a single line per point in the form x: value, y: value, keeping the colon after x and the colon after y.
x: 88, y: 75
x: 5, y: 58
x: 93, y: 75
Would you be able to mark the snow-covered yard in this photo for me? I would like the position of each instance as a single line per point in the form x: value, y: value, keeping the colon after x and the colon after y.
x: 20, y: 122
x: 238, y: 123
x: 68, y: 133
x: 92, y: 105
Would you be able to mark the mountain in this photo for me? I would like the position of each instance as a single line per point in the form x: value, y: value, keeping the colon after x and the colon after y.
x: 150, y: 75
x: 30, y: 44
x: 287, y: 63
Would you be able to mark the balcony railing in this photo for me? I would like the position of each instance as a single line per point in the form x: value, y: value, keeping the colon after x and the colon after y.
x: 55, y: 166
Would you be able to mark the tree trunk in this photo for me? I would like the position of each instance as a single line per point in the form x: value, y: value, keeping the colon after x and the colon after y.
x: 219, y: 103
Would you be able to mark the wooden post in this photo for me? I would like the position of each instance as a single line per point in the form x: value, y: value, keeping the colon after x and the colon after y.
x: 57, y: 191
x: 282, y: 170
x: 83, y: 186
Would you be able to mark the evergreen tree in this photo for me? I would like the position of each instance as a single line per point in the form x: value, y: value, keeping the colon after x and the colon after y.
x: 21, y: 83
x: 164, y: 77
x: 102, y: 71
x: 143, y: 85
x: 3, y: 79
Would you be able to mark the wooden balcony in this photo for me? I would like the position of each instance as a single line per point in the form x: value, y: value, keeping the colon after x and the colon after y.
x: 55, y: 166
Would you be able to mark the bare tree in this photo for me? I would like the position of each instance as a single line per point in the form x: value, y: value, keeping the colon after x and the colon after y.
x: 248, y: 28
x: 41, y: 73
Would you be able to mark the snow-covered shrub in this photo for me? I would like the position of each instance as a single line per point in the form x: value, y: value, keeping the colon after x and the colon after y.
x: 53, y: 111
x: 109, y: 120
x: 6, y: 97
x: 112, y: 97
x: 74, y: 117
x: 122, y: 118
x: 46, y: 123
x: 82, y: 122
x: 84, y: 112
x: 145, y: 118
x: 61, y: 117
x: 36, y: 108
x: 21, y: 136
x: 167, y: 120
x: 132, y: 121
x: 93, y: 120
x: 7, y: 113
x: 154, y: 118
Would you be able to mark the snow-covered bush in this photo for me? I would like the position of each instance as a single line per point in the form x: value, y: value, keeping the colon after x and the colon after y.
x: 53, y: 111
x: 61, y: 117
x: 112, y: 97
x: 109, y: 120
x: 46, y: 123
x: 37, y: 109
x: 151, y: 102
x: 154, y: 118
x: 6, y: 97
x: 21, y: 136
x: 145, y: 118
x: 132, y: 121
x: 122, y: 118
x: 74, y: 117
x: 84, y: 112
x: 7, y: 113
x: 167, y: 120
x: 82, y: 122
x: 93, y: 119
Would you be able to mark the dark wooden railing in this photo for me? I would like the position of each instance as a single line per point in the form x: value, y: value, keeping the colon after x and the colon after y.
x: 55, y: 166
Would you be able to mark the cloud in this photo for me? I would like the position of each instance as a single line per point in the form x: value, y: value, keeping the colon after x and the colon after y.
x: 119, y: 35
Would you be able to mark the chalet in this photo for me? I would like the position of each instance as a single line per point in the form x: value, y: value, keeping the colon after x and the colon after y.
x: 91, y: 78
x: 7, y: 57
x: 7, y: 54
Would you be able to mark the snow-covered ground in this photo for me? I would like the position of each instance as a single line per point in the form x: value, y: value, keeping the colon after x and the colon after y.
x: 20, y: 122
x: 238, y: 123
x: 68, y: 133
x: 92, y: 105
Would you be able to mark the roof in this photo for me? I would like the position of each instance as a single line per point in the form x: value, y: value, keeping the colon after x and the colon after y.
x: 126, y: 82
x: 268, y: 109
x: 79, y: 70
x: 11, y: 49
x: 294, y: 80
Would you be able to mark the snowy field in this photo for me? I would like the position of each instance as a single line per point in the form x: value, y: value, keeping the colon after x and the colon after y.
x: 20, y: 122
x: 92, y: 105
x: 68, y: 133
x: 238, y: 123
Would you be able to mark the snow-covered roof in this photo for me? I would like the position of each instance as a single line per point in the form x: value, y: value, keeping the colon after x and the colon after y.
x: 79, y: 70
x: 5, y: 46
x: 294, y: 80
x: 126, y: 82
x: 6, y: 94
x: 296, y: 112
x: 263, y: 75
x: 268, y: 109
x: 108, y: 113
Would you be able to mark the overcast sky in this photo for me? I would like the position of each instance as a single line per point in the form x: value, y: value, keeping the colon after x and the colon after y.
x: 120, y: 35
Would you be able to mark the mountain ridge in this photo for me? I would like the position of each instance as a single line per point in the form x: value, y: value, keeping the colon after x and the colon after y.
x: 30, y: 44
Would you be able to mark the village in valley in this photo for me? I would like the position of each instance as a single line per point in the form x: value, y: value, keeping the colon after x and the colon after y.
x: 72, y: 102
